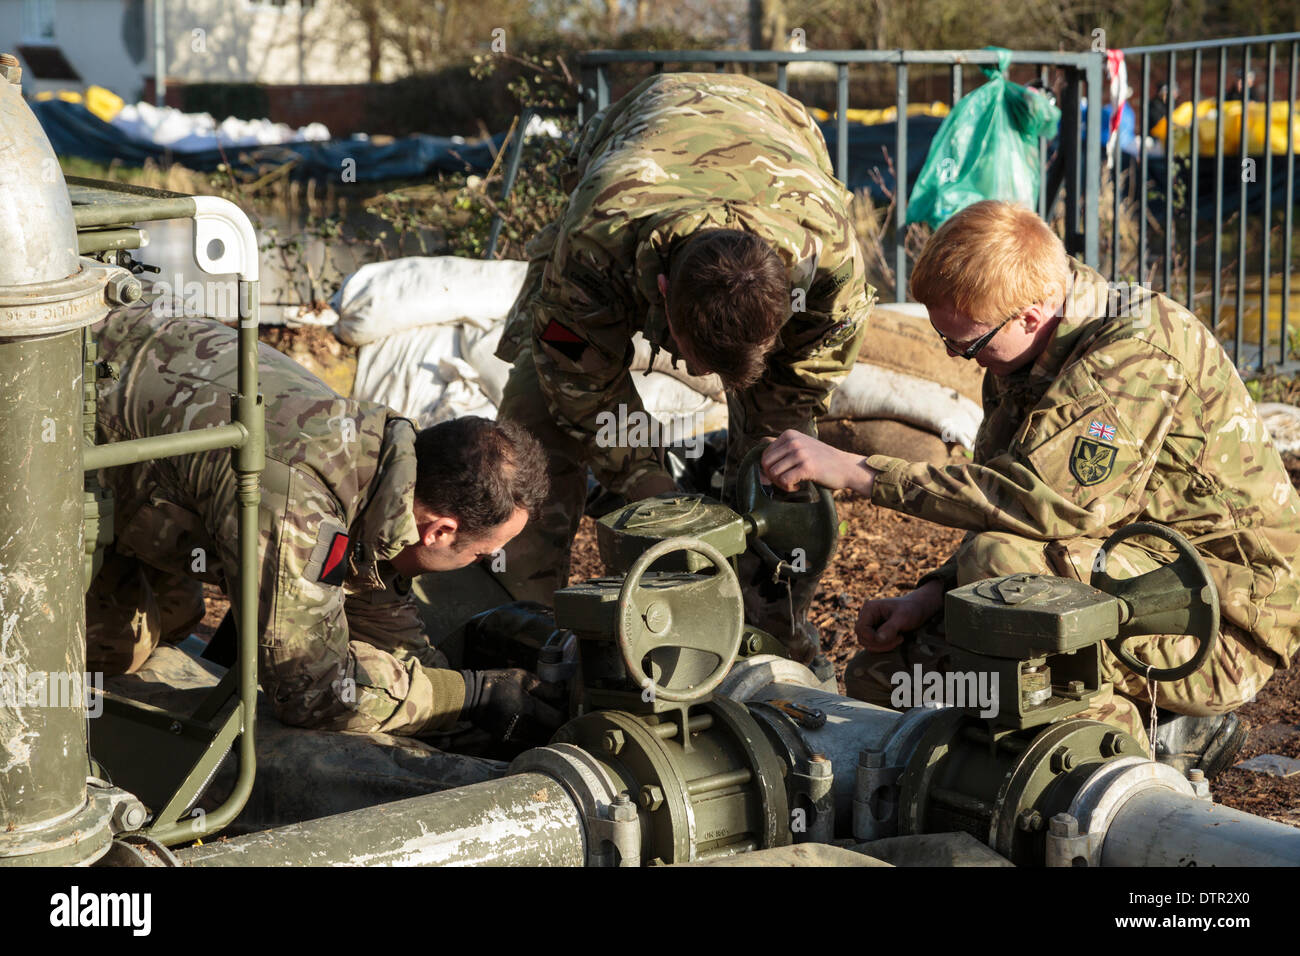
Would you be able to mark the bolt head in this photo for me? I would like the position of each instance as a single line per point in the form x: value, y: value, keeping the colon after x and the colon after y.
x: 1075, y: 687
x: 1029, y: 821
x: 622, y: 810
x: 1062, y: 760
x: 129, y: 816
x: 819, y: 766
x: 123, y: 289
x: 871, y: 759
x: 1114, y: 745
x: 1063, y: 825
x: 613, y: 741
x: 652, y: 797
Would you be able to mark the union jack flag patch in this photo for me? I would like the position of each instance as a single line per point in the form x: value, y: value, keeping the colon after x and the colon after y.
x: 1101, y: 430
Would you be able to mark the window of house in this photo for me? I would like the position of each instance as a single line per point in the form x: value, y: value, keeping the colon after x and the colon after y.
x: 38, y: 21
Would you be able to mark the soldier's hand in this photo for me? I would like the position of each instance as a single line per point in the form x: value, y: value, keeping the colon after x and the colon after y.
x: 513, y: 704
x: 882, y: 621
x: 796, y: 457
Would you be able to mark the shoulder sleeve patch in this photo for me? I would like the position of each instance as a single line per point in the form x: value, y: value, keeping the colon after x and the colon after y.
x: 567, y: 343
x: 329, y: 557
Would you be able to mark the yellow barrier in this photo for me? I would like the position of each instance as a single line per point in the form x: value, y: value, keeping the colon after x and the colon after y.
x: 103, y: 103
x: 1207, y: 128
x: 886, y: 115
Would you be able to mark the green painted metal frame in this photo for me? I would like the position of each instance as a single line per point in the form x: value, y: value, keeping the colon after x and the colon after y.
x: 98, y: 206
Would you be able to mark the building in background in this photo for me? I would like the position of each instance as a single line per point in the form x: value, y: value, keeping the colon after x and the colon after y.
x: 310, y: 55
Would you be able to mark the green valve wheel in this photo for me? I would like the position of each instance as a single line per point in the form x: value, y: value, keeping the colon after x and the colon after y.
x: 1179, y: 598
x: 688, y: 626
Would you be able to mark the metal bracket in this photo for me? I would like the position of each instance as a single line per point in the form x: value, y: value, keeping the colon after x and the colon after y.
x: 620, y: 828
x: 815, y: 780
x: 224, y: 239
x: 875, y: 797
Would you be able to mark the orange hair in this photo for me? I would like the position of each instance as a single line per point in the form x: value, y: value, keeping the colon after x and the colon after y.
x: 990, y: 259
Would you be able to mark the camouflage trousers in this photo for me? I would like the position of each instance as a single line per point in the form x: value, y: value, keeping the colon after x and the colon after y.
x: 1232, y: 675
x: 131, y: 608
x: 536, y: 561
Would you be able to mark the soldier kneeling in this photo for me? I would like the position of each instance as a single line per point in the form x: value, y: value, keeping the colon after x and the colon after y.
x: 1092, y: 420
x: 354, y: 503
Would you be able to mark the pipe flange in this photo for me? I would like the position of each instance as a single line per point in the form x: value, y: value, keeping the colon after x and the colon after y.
x: 80, y: 838
x: 44, y: 308
x: 876, y: 784
x: 609, y: 824
x: 1095, y: 804
x: 749, y: 676
x: 138, y: 850
x: 766, y: 766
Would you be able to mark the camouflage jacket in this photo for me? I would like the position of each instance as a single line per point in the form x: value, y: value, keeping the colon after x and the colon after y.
x: 1135, y: 416
x: 341, y: 643
x: 678, y: 154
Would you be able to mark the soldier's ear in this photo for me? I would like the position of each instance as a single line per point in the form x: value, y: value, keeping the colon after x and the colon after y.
x: 438, y: 531
x: 1035, y: 316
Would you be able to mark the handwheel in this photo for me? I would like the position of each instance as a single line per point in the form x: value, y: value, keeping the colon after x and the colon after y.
x: 1178, y: 598
x: 784, y: 523
x: 697, y: 616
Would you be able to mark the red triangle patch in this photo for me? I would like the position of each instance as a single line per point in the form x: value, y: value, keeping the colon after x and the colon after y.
x: 335, y: 567
x: 557, y: 333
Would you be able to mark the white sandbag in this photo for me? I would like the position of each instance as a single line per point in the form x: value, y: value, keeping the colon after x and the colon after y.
x: 681, y: 411
x: 478, y: 348
x: 439, y: 372
x: 870, y: 391
x: 1283, y: 424
x: 425, y: 375
x: 384, y: 298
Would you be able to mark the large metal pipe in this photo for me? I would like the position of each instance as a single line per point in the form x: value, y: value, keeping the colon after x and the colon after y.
x: 1160, y: 827
x: 523, y: 820
x: 43, y: 764
x: 47, y: 295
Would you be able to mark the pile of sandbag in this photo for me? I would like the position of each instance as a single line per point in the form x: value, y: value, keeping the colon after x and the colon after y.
x: 906, y: 397
x: 189, y: 132
x: 1283, y: 424
x: 427, y: 330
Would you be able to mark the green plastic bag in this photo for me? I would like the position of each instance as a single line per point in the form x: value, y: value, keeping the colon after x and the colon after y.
x: 986, y: 148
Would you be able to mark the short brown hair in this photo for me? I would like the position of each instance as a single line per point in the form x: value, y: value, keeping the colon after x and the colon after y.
x: 479, y: 471
x: 728, y: 296
x: 988, y: 260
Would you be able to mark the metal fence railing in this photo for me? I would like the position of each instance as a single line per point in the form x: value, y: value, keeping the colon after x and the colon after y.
x: 1171, y: 233
x: 1191, y: 176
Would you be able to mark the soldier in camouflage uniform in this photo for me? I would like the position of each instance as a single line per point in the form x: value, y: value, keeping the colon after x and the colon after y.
x: 354, y: 503
x: 679, y: 160
x: 1105, y: 407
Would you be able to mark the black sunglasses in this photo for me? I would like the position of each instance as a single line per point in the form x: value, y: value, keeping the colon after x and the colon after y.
x: 974, y: 349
